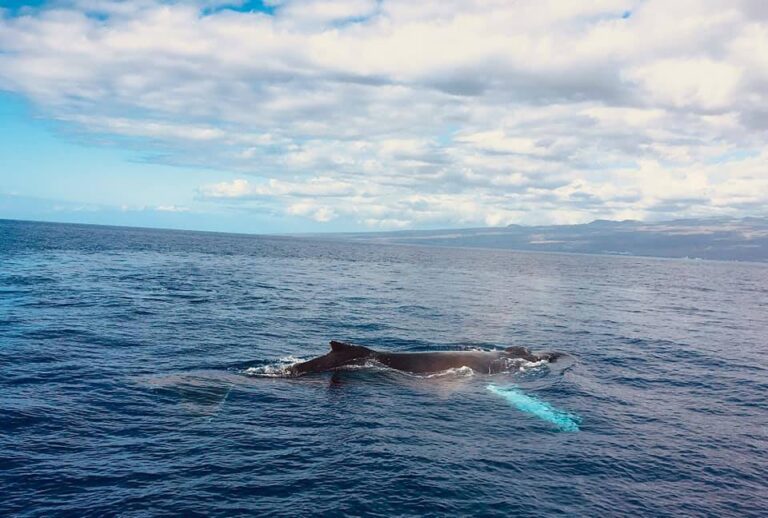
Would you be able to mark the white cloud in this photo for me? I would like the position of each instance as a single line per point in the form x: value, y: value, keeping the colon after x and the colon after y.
x: 322, y: 12
x: 312, y: 210
x: 171, y: 208
x: 242, y: 188
x: 399, y: 113
x: 497, y: 141
x: 684, y: 83
x: 158, y: 208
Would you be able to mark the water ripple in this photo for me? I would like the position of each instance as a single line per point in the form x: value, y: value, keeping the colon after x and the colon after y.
x: 142, y: 375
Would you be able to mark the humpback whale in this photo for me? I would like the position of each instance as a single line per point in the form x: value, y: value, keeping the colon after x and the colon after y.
x: 488, y: 362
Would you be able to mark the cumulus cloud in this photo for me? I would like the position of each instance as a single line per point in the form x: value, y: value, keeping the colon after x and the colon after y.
x: 396, y: 113
x: 313, y: 187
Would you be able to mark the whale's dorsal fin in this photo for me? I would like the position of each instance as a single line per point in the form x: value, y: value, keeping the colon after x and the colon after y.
x: 339, y: 347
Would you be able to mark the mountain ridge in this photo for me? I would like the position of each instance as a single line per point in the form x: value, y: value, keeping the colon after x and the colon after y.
x: 740, y: 239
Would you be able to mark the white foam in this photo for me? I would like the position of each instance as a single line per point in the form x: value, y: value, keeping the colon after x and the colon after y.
x: 280, y: 369
x: 457, y: 372
x: 374, y: 365
x: 526, y: 365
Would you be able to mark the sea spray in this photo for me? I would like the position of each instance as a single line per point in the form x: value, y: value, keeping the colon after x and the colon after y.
x: 541, y: 409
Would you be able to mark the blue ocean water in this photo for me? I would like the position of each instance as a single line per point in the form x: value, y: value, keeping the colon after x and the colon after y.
x: 139, y: 375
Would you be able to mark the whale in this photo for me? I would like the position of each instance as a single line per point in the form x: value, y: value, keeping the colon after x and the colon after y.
x: 344, y: 354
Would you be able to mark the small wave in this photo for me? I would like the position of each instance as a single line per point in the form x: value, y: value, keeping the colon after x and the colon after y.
x: 525, y: 366
x: 370, y: 365
x: 279, y: 369
x: 458, y: 372
x: 374, y: 366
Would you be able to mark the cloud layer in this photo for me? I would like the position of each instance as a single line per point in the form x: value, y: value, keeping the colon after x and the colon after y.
x: 398, y: 114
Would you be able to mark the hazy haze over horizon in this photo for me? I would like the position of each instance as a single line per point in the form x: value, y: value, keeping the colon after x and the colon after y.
x: 355, y: 115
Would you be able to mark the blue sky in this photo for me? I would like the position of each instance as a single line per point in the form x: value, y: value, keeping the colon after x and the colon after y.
x: 51, y: 173
x: 293, y: 116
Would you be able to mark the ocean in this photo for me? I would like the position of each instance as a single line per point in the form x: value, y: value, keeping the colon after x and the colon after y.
x: 142, y: 374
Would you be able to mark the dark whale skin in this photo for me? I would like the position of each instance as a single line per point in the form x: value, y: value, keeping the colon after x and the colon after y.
x: 487, y: 362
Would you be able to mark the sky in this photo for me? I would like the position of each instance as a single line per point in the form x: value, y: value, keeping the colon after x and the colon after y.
x: 312, y: 116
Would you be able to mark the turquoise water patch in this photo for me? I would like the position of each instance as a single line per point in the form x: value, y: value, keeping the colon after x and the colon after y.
x: 541, y: 409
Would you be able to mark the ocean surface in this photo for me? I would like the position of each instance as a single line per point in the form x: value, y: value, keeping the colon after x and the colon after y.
x: 141, y: 374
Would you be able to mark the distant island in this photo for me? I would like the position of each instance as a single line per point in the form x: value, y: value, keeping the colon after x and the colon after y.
x: 735, y: 239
